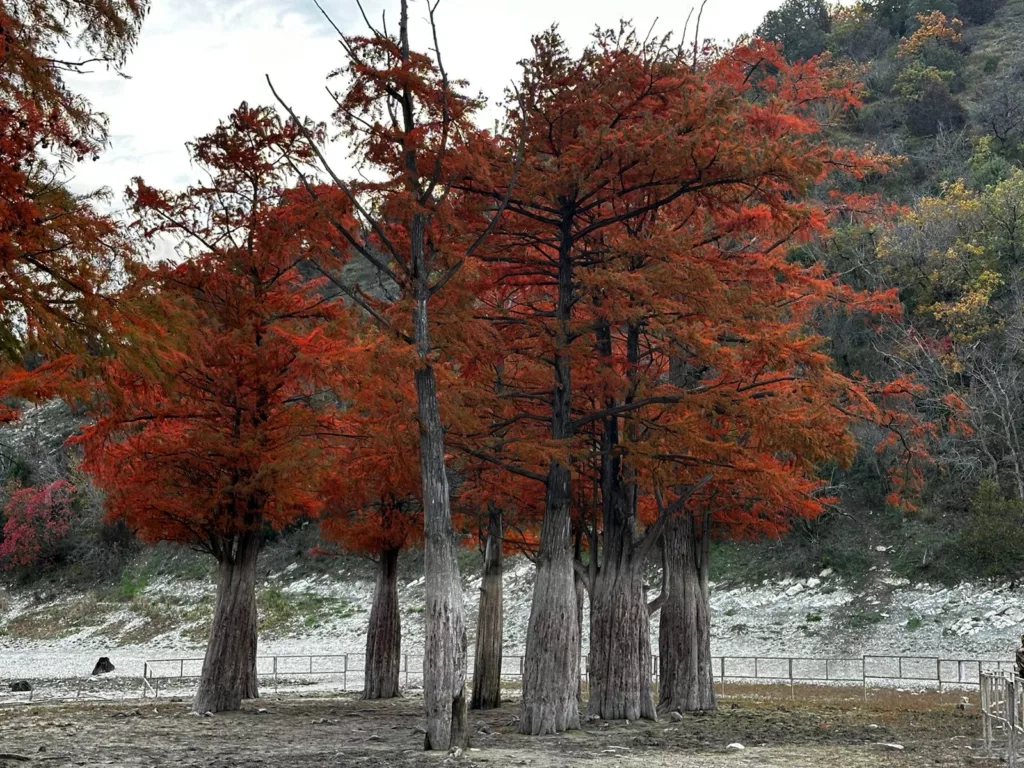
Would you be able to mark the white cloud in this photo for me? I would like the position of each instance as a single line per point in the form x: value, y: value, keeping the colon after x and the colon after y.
x: 198, y: 59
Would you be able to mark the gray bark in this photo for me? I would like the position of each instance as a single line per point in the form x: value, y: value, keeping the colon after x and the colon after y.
x: 686, y: 674
x: 384, y: 633
x: 229, y: 668
x: 444, y: 659
x: 620, y: 645
x: 551, y: 667
x: 489, y: 630
x: 581, y: 590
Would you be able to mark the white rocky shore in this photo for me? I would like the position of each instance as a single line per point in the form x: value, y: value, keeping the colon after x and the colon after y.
x: 814, y: 617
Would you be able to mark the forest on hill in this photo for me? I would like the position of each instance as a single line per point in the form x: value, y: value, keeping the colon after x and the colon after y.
x: 688, y: 308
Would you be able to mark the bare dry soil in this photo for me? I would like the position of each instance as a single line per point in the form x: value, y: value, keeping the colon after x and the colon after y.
x: 806, y: 731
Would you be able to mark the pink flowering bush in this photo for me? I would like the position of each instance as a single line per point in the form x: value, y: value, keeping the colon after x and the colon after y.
x: 36, y: 523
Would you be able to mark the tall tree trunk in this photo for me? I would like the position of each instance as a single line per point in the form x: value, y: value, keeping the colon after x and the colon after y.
x: 487, y: 665
x: 685, y: 670
x: 384, y: 634
x: 229, y: 668
x: 552, y: 637
x: 444, y: 658
x: 620, y: 646
x: 620, y: 641
x: 581, y: 589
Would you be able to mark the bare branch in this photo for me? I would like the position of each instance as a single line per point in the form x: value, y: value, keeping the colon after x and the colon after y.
x: 372, y: 221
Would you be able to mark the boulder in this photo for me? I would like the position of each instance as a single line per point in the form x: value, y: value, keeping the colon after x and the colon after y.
x: 21, y: 686
x: 103, y: 666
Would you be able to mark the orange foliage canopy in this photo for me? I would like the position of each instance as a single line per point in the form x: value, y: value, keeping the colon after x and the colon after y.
x: 57, y: 253
x: 219, y: 417
x: 373, y: 495
x: 660, y: 195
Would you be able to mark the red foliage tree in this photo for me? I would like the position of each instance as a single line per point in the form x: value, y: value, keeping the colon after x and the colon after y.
x: 647, y: 229
x: 373, y: 502
x: 219, y: 409
x: 58, y: 254
x: 410, y: 124
x: 36, y: 520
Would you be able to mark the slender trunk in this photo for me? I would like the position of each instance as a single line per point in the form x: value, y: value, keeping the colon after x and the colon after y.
x: 229, y: 668
x: 384, y: 634
x: 552, y: 637
x: 444, y: 659
x: 487, y: 665
x: 686, y: 674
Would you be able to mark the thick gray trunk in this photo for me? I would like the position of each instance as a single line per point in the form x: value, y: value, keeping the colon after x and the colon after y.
x: 489, y: 630
x: 620, y: 647
x: 685, y: 670
x: 551, y: 671
x: 384, y: 634
x: 551, y: 668
x: 229, y: 668
x: 581, y: 594
x: 620, y: 644
x: 444, y: 659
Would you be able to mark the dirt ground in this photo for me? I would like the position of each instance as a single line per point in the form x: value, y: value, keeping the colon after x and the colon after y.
x: 810, y: 730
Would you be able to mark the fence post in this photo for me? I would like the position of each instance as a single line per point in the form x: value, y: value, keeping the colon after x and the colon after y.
x: 792, y: 690
x: 344, y: 674
x: 1011, y: 720
x: 275, y: 674
x: 181, y: 669
x: 406, y: 670
x: 986, y: 723
x: 938, y: 673
x: 722, y: 671
x: 864, y: 675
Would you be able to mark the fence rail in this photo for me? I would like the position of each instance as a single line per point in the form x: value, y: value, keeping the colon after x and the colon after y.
x: 1002, y: 715
x: 867, y: 671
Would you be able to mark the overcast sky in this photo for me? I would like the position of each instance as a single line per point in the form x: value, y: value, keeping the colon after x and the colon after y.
x: 198, y: 59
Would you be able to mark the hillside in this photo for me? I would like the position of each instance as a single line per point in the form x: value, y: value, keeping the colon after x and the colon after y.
x: 943, y: 98
x: 160, y: 611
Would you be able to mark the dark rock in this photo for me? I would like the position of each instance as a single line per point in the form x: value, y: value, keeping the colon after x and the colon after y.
x: 21, y: 686
x: 103, y: 666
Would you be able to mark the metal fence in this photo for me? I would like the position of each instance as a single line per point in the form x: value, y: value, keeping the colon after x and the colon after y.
x: 868, y: 670
x: 1002, y: 715
x: 345, y: 671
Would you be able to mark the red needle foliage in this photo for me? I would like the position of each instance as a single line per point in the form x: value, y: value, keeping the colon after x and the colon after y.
x: 373, y: 493
x: 57, y: 253
x: 648, y: 230
x: 218, y: 411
